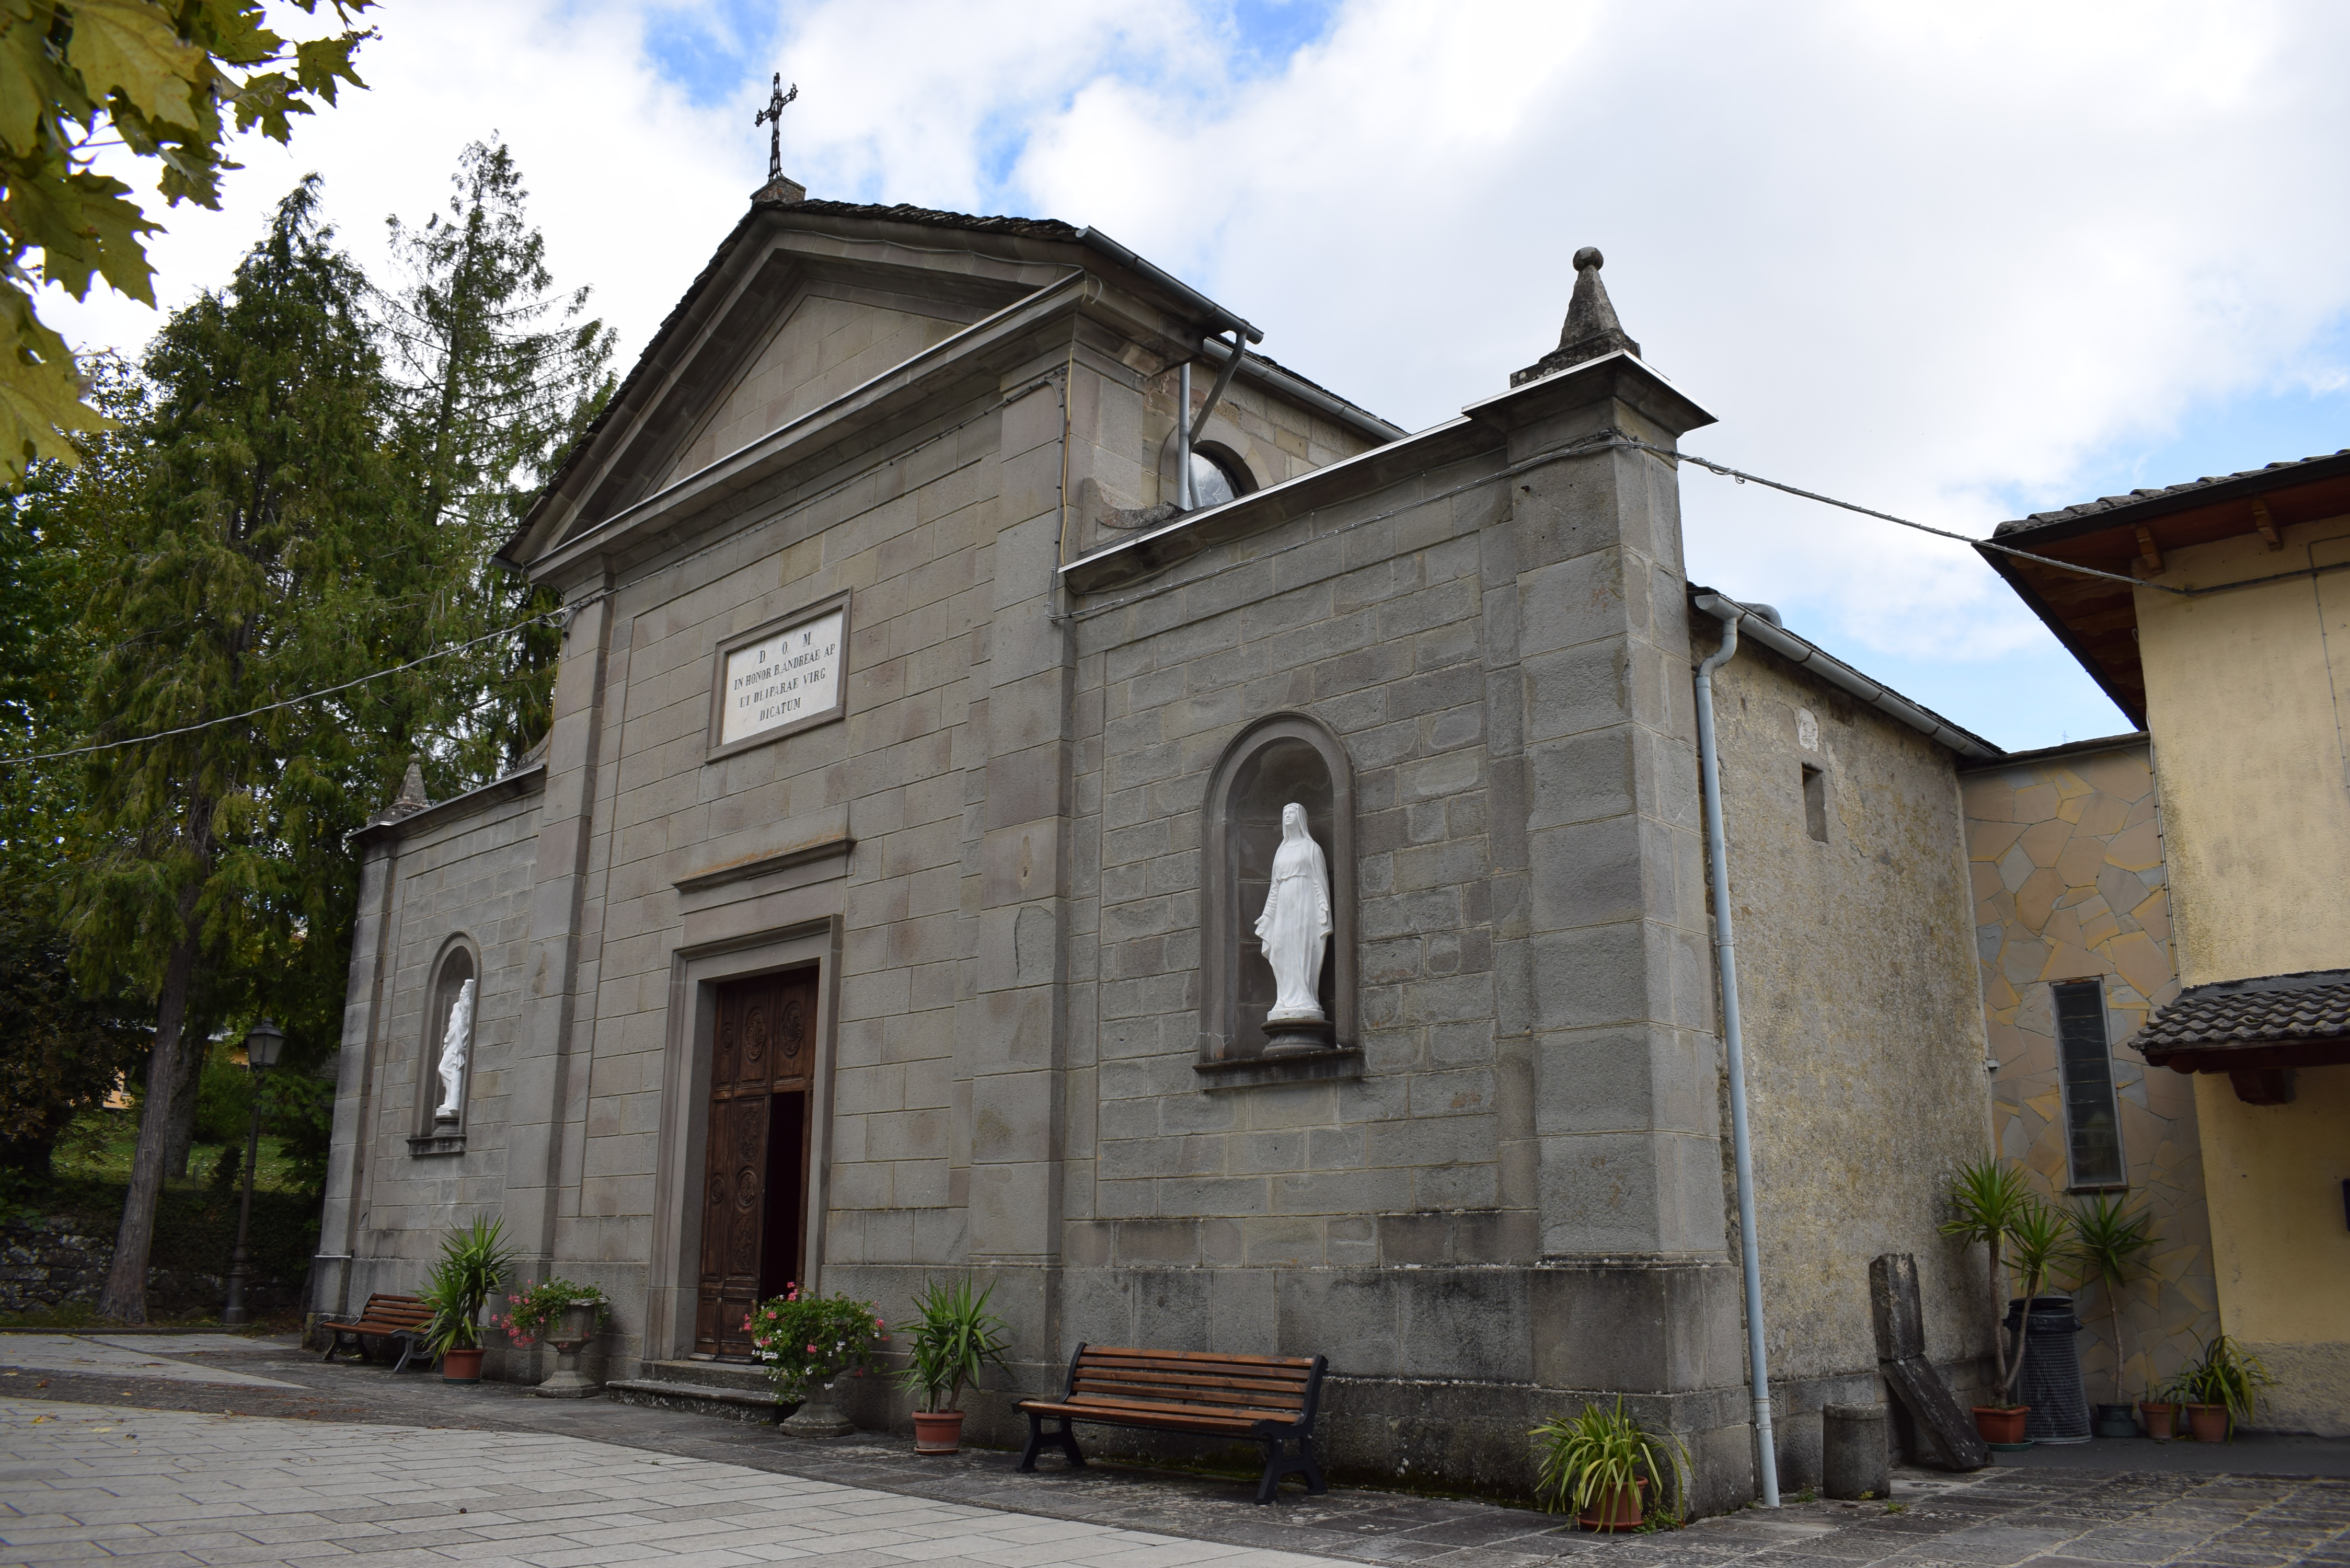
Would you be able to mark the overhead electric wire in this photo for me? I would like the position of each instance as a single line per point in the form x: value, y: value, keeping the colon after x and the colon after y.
x: 562, y: 613
x: 1744, y: 478
x: 1610, y: 441
x: 522, y: 625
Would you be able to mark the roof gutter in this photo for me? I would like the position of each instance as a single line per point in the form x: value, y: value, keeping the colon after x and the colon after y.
x: 1338, y: 410
x: 1844, y: 676
x: 1225, y: 320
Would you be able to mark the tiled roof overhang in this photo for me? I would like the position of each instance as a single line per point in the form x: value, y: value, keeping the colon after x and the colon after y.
x: 2097, y: 619
x: 2238, y: 1026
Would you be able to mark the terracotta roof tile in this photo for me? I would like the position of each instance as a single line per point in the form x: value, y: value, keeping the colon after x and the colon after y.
x: 2275, y: 1010
x: 2115, y: 503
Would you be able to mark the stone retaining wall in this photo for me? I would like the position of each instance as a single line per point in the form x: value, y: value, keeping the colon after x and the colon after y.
x: 46, y: 1264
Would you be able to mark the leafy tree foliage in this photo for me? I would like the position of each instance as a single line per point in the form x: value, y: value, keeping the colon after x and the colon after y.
x: 165, y: 76
x: 61, y: 1052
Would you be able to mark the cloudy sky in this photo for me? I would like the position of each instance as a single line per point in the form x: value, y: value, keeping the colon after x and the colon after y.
x: 1957, y: 262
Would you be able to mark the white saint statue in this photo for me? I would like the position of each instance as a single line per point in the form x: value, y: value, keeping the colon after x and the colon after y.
x: 1296, y: 921
x: 453, y: 1046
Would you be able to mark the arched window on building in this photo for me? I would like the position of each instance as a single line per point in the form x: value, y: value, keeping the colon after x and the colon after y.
x: 1281, y: 759
x: 1218, y: 475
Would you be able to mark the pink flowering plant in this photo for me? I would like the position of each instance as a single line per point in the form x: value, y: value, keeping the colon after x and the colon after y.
x: 805, y: 1339
x: 528, y: 1315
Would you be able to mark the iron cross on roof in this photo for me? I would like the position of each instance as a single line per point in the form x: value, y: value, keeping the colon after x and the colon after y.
x: 772, y: 115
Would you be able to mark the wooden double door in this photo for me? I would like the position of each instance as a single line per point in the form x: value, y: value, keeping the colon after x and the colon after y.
x: 754, y: 1185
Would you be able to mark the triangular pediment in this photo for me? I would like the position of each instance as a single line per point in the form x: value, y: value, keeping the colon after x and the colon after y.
x: 833, y: 339
x: 801, y: 307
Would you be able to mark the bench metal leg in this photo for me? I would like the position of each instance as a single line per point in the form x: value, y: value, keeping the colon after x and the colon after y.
x: 1065, y: 1439
x: 408, y: 1349
x: 1278, y: 1464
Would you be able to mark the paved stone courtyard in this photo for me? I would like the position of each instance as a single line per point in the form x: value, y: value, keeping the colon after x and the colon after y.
x: 102, y: 1455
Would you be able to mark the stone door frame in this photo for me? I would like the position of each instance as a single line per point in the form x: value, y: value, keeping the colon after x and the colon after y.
x: 695, y: 975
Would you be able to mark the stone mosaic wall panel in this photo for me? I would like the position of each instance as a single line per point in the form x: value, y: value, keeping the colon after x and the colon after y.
x: 2070, y: 883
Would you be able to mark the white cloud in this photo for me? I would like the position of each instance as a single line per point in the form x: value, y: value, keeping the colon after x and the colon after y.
x: 1931, y: 258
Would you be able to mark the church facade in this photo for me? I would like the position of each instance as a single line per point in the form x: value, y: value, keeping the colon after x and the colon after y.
x: 881, y: 905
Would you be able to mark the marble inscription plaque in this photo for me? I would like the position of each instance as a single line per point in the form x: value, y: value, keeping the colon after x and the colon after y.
x: 785, y: 678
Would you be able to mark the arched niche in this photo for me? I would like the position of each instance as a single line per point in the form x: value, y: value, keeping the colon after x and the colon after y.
x: 457, y: 963
x: 1280, y: 758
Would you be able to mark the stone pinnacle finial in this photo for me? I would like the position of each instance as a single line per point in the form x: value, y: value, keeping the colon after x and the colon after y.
x: 412, y: 797
x: 1591, y: 326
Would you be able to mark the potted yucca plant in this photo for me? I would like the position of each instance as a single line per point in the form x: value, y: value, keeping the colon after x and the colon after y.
x: 953, y: 1340
x: 1599, y: 1464
x: 2108, y: 1235
x: 1997, y: 1209
x: 471, y: 1264
x: 2222, y: 1390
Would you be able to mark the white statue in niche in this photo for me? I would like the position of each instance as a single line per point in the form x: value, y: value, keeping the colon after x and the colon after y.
x: 1296, y: 921
x: 453, y: 1046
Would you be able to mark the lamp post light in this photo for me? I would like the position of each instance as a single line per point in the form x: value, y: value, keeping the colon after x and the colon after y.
x: 261, y: 1048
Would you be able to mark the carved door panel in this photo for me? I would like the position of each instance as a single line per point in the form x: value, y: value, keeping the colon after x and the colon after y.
x: 755, y: 1173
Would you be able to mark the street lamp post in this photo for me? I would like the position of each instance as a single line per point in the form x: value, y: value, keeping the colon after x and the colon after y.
x: 261, y: 1048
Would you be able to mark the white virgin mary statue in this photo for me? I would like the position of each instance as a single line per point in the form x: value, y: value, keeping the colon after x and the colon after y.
x: 453, y: 1046
x: 1296, y: 921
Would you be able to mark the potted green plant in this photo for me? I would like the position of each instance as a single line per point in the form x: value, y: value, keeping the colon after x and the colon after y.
x: 1997, y: 1210
x: 2223, y: 1389
x: 951, y: 1343
x: 807, y: 1341
x: 568, y: 1316
x: 2108, y: 1235
x: 473, y: 1261
x: 1598, y: 1463
x: 2160, y: 1408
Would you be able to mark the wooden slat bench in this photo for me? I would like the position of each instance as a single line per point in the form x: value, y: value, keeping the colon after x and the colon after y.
x: 1269, y: 1400
x: 400, y: 1319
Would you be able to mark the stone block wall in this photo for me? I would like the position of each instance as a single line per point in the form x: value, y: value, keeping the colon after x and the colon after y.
x: 2066, y: 852
x: 464, y: 871
x: 1379, y: 635
x: 46, y: 1264
x: 1864, y: 1036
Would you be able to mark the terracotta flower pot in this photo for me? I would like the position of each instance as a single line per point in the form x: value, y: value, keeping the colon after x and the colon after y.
x: 938, y: 1431
x: 2162, y: 1419
x: 462, y: 1365
x: 1997, y: 1426
x: 2208, y: 1422
x: 1618, y: 1509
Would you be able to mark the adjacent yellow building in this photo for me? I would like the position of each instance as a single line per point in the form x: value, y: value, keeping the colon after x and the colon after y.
x: 2217, y: 614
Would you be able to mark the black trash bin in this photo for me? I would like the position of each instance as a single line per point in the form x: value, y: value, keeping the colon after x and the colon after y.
x: 2051, y: 1383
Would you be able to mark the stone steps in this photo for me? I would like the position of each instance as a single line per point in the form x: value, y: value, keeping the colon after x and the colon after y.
x: 728, y: 1390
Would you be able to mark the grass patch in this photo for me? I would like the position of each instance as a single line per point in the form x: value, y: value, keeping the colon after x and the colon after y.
x: 99, y: 1146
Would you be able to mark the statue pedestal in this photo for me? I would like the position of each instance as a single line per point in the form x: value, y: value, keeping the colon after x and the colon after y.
x: 1296, y: 1036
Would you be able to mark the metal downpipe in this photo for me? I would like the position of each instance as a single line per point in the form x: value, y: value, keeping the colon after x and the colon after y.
x: 1725, y: 950
x: 1183, y: 436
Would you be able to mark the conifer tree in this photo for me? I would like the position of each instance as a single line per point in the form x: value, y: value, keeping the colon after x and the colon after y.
x: 247, y: 572
x: 498, y: 373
